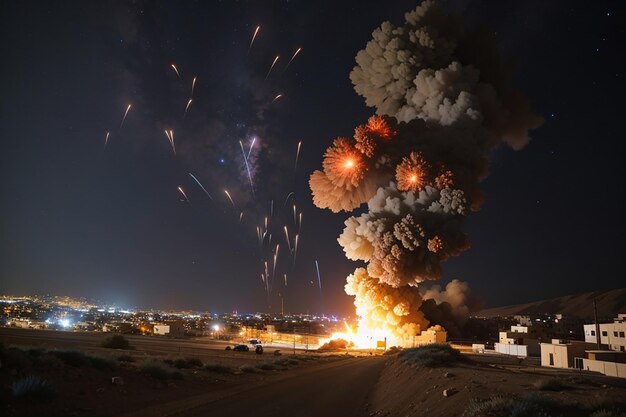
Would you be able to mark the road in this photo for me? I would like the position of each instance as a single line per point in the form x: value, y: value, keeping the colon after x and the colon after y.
x: 337, y: 389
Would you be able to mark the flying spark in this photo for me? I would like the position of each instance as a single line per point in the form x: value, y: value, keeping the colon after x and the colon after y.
x: 251, y: 146
x: 176, y: 70
x: 201, y: 186
x: 170, y: 137
x: 188, y: 104
x: 125, y: 114
x: 277, y: 97
x: 245, y: 160
x: 106, y: 139
x: 319, y: 280
x: 289, y: 195
x: 292, y: 58
x: 193, y: 85
x: 287, y: 237
x: 241, y: 216
x: 272, y: 66
x: 297, y: 156
x: 229, y: 197
x: 183, y: 193
x: 256, y: 31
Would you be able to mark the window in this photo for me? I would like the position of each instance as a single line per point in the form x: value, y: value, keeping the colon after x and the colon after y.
x: 551, y: 359
x: 621, y: 348
x: 605, y: 333
x: 593, y: 332
x: 621, y: 334
x: 615, y: 334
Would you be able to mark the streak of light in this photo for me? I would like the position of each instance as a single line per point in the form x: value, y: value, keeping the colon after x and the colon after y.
x: 170, y: 137
x: 277, y: 97
x: 287, y: 237
x: 188, y: 104
x: 245, y: 160
x: 229, y: 197
x: 275, y: 259
x: 294, y: 215
x: 300, y: 222
x: 240, y: 216
x: 175, y: 70
x: 319, y: 280
x: 295, y: 248
x: 289, y: 195
x: 106, y: 139
x: 285, y: 280
x: 272, y: 66
x: 271, y: 208
x: 201, y: 186
x: 256, y: 31
x: 193, y: 85
x: 183, y: 193
x: 251, y: 146
x: 292, y: 58
x: 297, y: 156
x: 125, y: 114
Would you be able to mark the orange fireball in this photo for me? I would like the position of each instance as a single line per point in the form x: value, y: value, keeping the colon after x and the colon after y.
x: 412, y: 173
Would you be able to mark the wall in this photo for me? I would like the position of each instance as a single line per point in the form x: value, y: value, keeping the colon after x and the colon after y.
x: 606, y: 368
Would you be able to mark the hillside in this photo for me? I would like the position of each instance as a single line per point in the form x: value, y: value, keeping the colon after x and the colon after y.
x: 610, y: 303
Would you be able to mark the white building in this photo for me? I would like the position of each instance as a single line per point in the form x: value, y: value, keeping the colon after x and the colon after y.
x: 611, y: 334
x: 521, y: 340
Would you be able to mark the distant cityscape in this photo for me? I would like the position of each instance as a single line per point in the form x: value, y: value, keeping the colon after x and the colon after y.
x: 80, y: 314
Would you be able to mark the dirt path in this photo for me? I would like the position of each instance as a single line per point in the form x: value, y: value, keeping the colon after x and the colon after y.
x: 340, y: 389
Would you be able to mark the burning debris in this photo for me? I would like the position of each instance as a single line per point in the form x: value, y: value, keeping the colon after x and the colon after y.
x: 443, y: 103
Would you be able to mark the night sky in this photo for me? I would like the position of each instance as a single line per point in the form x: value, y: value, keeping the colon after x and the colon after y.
x: 80, y: 219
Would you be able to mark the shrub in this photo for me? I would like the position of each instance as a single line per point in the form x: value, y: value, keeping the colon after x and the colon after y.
x: 532, y: 405
x: 607, y: 413
x: 432, y: 355
x: 217, y: 368
x: 159, y: 370
x: 334, y: 344
x: 181, y: 363
x: 393, y: 350
x: 266, y: 366
x: 248, y: 369
x: 126, y: 358
x: 71, y: 357
x: 116, y: 341
x: 32, y: 388
x: 552, y: 384
x: 282, y: 362
x: 491, y: 407
x: 34, y: 352
x: 102, y: 362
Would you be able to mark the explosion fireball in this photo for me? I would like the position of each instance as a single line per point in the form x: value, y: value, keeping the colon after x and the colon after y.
x: 443, y: 103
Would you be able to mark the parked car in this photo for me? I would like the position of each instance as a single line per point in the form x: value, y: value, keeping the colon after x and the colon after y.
x: 241, y: 348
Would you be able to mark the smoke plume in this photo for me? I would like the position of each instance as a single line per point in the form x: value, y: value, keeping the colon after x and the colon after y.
x: 443, y: 102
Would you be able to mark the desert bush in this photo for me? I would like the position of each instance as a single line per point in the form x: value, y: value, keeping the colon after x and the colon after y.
x: 532, y: 405
x: 32, y: 388
x: 335, y: 344
x: 282, y: 362
x: 185, y: 363
x: 608, y: 413
x: 248, y: 369
x: 102, y: 362
x: 432, y: 355
x: 34, y: 352
x: 159, y: 370
x: 266, y: 366
x: 491, y: 407
x: 115, y: 341
x: 217, y: 368
x: 126, y: 358
x: 552, y: 384
x: 15, y: 358
x: 71, y: 357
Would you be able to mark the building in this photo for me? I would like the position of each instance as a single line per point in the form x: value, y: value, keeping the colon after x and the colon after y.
x: 172, y: 328
x: 607, y: 362
x: 563, y: 353
x: 521, y: 340
x: 612, y: 335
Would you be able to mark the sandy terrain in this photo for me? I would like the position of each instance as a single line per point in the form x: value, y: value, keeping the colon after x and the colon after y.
x: 405, y: 390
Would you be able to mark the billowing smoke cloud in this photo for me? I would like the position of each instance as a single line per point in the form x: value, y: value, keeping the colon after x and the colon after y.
x: 443, y: 103
x: 434, y: 69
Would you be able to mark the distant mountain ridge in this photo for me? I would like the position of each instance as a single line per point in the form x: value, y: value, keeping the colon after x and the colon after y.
x: 610, y: 303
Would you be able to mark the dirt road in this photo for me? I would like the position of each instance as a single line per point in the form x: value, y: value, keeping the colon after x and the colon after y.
x: 337, y: 389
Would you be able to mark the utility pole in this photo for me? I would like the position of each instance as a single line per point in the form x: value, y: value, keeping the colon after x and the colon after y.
x: 595, y: 319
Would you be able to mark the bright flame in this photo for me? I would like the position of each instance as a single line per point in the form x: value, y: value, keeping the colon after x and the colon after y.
x: 362, y: 338
x: 349, y: 163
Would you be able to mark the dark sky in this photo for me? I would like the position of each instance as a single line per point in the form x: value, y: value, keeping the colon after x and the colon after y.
x: 109, y: 223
